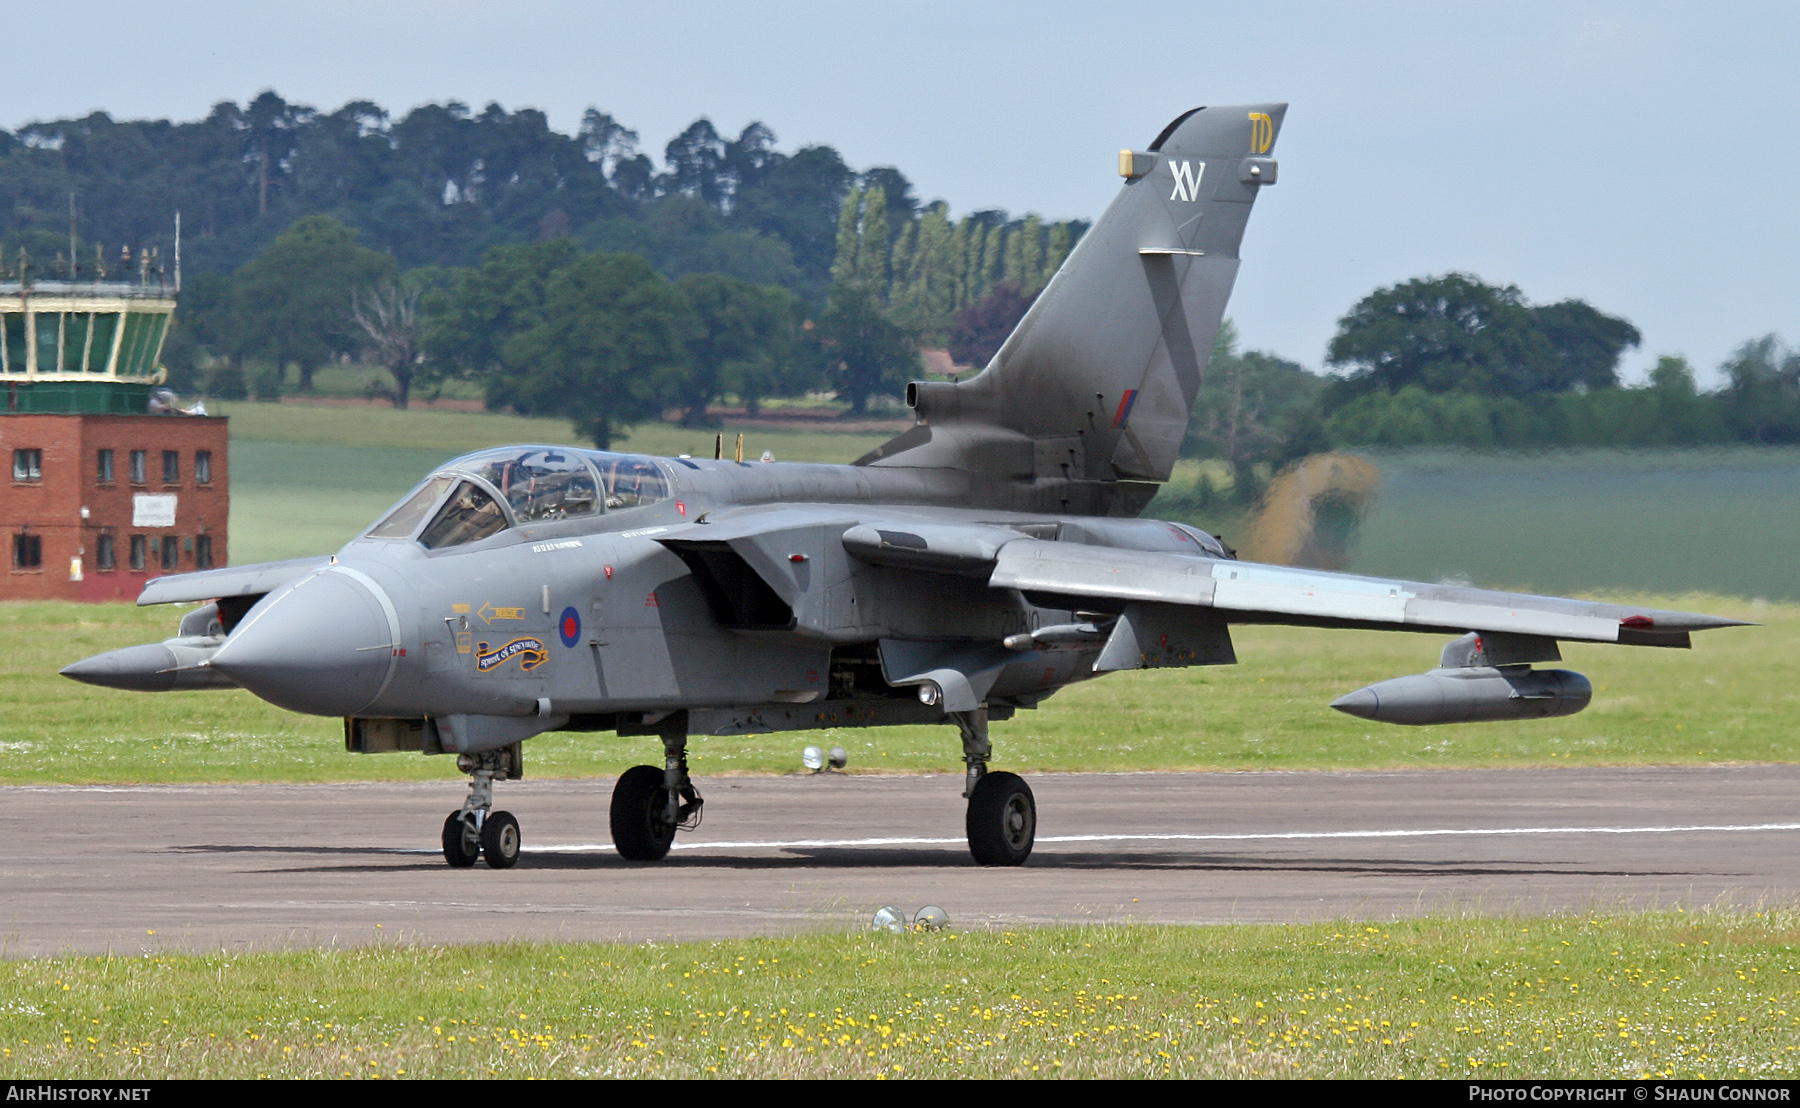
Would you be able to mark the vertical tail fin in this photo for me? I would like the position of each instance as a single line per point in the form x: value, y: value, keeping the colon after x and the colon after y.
x: 1097, y: 381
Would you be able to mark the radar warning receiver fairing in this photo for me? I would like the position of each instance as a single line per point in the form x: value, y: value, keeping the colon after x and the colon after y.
x: 969, y: 568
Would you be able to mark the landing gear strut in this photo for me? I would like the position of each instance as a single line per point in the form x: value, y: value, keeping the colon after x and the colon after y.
x: 474, y: 831
x: 1002, y: 819
x: 649, y: 805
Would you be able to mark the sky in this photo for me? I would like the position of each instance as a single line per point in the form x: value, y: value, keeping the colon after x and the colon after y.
x: 1641, y: 156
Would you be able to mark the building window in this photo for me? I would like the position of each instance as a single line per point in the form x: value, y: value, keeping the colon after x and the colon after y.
x: 203, y: 552
x: 171, y: 467
x: 202, y: 467
x: 28, y: 465
x: 137, y: 466
x: 138, y: 553
x: 104, y: 555
x: 28, y: 551
x: 103, y: 467
x: 171, y: 552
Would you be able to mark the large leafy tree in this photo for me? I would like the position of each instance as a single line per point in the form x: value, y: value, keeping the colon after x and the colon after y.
x: 466, y: 329
x: 742, y: 337
x: 860, y: 350
x: 1443, y: 334
x: 1457, y: 333
x: 606, y: 350
x: 1588, y: 344
x: 292, y: 302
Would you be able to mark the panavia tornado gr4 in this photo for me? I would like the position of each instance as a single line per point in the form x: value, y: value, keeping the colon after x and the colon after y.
x: 969, y: 568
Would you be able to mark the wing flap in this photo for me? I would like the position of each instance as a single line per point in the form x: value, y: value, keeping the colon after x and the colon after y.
x: 1549, y: 624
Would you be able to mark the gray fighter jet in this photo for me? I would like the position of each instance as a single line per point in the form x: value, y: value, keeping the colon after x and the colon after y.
x: 969, y: 568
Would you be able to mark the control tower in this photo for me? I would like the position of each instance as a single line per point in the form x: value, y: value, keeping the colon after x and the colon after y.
x: 112, y: 482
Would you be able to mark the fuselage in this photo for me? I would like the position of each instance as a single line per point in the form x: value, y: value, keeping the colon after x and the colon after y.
x: 598, y: 586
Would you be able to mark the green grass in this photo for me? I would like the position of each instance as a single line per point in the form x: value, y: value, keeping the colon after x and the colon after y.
x: 291, y: 499
x: 1671, y: 995
x: 1731, y: 699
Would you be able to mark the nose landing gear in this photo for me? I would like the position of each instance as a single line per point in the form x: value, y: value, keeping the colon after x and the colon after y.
x: 474, y: 831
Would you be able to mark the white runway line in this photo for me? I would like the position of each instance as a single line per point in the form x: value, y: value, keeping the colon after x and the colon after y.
x: 805, y: 844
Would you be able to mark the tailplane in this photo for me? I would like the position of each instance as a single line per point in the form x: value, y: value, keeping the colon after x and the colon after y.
x: 1097, y: 381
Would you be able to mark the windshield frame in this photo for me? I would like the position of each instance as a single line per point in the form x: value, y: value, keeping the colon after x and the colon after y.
x: 472, y: 467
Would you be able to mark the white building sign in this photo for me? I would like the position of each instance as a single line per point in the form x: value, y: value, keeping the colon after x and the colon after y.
x: 152, y: 509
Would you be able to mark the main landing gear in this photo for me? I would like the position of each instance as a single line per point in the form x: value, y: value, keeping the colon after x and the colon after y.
x: 649, y: 805
x: 1002, y: 818
x: 474, y: 831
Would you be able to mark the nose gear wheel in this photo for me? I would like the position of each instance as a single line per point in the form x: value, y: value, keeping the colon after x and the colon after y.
x: 500, y: 840
x: 462, y: 843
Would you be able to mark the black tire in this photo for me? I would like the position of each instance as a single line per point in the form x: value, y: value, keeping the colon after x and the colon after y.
x: 500, y: 840
x: 1002, y: 820
x: 639, y: 831
x: 458, y: 850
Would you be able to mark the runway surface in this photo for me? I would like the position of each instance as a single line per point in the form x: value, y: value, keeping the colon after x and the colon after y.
x: 202, y: 868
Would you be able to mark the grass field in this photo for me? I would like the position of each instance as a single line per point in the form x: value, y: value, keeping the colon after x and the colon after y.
x: 1725, y: 520
x: 1715, y: 520
x: 1731, y: 699
x: 1671, y: 995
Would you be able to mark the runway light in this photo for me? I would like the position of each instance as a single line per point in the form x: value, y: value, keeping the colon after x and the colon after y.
x: 888, y: 918
x: 838, y: 758
x: 931, y: 918
x: 813, y: 758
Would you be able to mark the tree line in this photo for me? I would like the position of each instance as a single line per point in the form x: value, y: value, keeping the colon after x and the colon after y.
x: 1451, y: 360
x: 443, y: 184
x: 311, y: 236
x: 452, y: 243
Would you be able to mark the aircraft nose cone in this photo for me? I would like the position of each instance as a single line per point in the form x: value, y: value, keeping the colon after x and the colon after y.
x: 1363, y: 703
x: 325, y: 646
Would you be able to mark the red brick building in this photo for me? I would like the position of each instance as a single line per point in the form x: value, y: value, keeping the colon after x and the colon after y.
x: 105, y: 493
x: 98, y: 504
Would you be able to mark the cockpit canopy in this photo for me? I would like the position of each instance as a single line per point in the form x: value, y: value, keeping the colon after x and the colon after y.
x: 480, y: 495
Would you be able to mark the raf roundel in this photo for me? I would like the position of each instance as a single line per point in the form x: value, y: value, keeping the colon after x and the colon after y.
x: 569, y: 626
